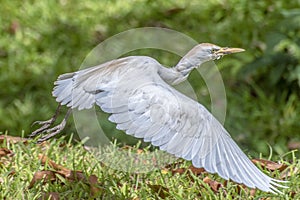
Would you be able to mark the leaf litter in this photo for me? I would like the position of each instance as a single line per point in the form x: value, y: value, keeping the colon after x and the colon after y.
x: 46, y: 176
x: 70, y: 175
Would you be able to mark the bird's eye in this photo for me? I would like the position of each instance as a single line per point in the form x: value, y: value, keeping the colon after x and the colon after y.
x: 214, y: 50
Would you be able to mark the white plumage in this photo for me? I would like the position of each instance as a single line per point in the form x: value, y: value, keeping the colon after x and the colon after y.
x: 136, y: 92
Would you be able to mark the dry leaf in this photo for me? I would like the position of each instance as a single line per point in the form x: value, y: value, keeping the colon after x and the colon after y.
x: 161, y: 191
x: 44, y: 159
x: 6, y: 152
x: 94, y: 185
x: 71, y: 175
x: 44, y: 176
x: 252, y: 192
x: 193, y: 169
x: 50, y: 196
x: 75, y: 175
x: 270, y: 165
x: 12, y: 172
x: 172, y: 165
x: 179, y: 171
x: 214, y: 185
x: 138, y: 151
x: 289, y: 172
x: 242, y: 186
x: 292, y: 194
x: 65, y: 172
x: 12, y: 139
x: 196, y: 171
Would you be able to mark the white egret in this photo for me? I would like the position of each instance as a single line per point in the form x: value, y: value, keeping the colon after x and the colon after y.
x: 135, y: 90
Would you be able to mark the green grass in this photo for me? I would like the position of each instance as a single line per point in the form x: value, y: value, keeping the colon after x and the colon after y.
x: 114, y: 184
x: 43, y: 39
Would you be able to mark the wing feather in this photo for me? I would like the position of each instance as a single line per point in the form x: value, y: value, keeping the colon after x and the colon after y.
x: 145, y: 133
x: 124, y: 126
x: 119, y: 118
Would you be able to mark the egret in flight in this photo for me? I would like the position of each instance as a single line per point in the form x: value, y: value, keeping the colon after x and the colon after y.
x: 136, y: 92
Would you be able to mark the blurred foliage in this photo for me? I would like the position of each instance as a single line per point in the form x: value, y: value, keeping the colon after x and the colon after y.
x: 42, y: 39
x: 277, y: 69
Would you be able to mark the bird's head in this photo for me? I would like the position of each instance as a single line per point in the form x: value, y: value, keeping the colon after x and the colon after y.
x: 200, y: 54
x: 206, y: 52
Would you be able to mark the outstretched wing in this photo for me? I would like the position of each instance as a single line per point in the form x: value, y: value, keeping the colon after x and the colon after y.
x: 143, y: 105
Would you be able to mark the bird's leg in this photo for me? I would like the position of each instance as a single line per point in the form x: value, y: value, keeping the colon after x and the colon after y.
x: 45, y: 124
x: 56, y: 129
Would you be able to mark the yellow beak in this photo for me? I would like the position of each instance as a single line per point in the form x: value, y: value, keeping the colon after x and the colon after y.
x: 227, y: 50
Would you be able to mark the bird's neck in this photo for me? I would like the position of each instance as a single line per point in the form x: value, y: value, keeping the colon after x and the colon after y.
x: 178, y: 73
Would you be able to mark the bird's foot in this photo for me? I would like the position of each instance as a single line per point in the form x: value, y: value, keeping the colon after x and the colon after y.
x: 45, y: 124
x: 51, y: 132
x: 46, y: 130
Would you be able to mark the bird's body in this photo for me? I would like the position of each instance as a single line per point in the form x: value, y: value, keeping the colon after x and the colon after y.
x: 136, y: 92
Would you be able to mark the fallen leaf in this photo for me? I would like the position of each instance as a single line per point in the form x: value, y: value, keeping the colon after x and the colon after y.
x: 288, y: 172
x: 161, y: 191
x: 247, y: 189
x: 193, y: 169
x: 270, y: 165
x: 70, y: 175
x: 44, y: 145
x: 252, y: 192
x: 94, y: 185
x: 74, y: 175
x: 12, y: 139
x: 214, y: 185
x: 133, y: 149
x: 196, y: 171
x: 292, y: 194
x: 45, y: 160
x: 179, y: 171
x: 12, y: 172
x: 45, y: 176
x: 172, y: 165
x: 50, y: 196
x: 6, y: 152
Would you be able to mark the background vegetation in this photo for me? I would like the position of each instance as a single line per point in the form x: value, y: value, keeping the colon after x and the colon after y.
x: 42, y: 39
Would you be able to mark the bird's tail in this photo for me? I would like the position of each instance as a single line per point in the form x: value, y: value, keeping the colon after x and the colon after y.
x: 75, y: 90
x: 63, y: 89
